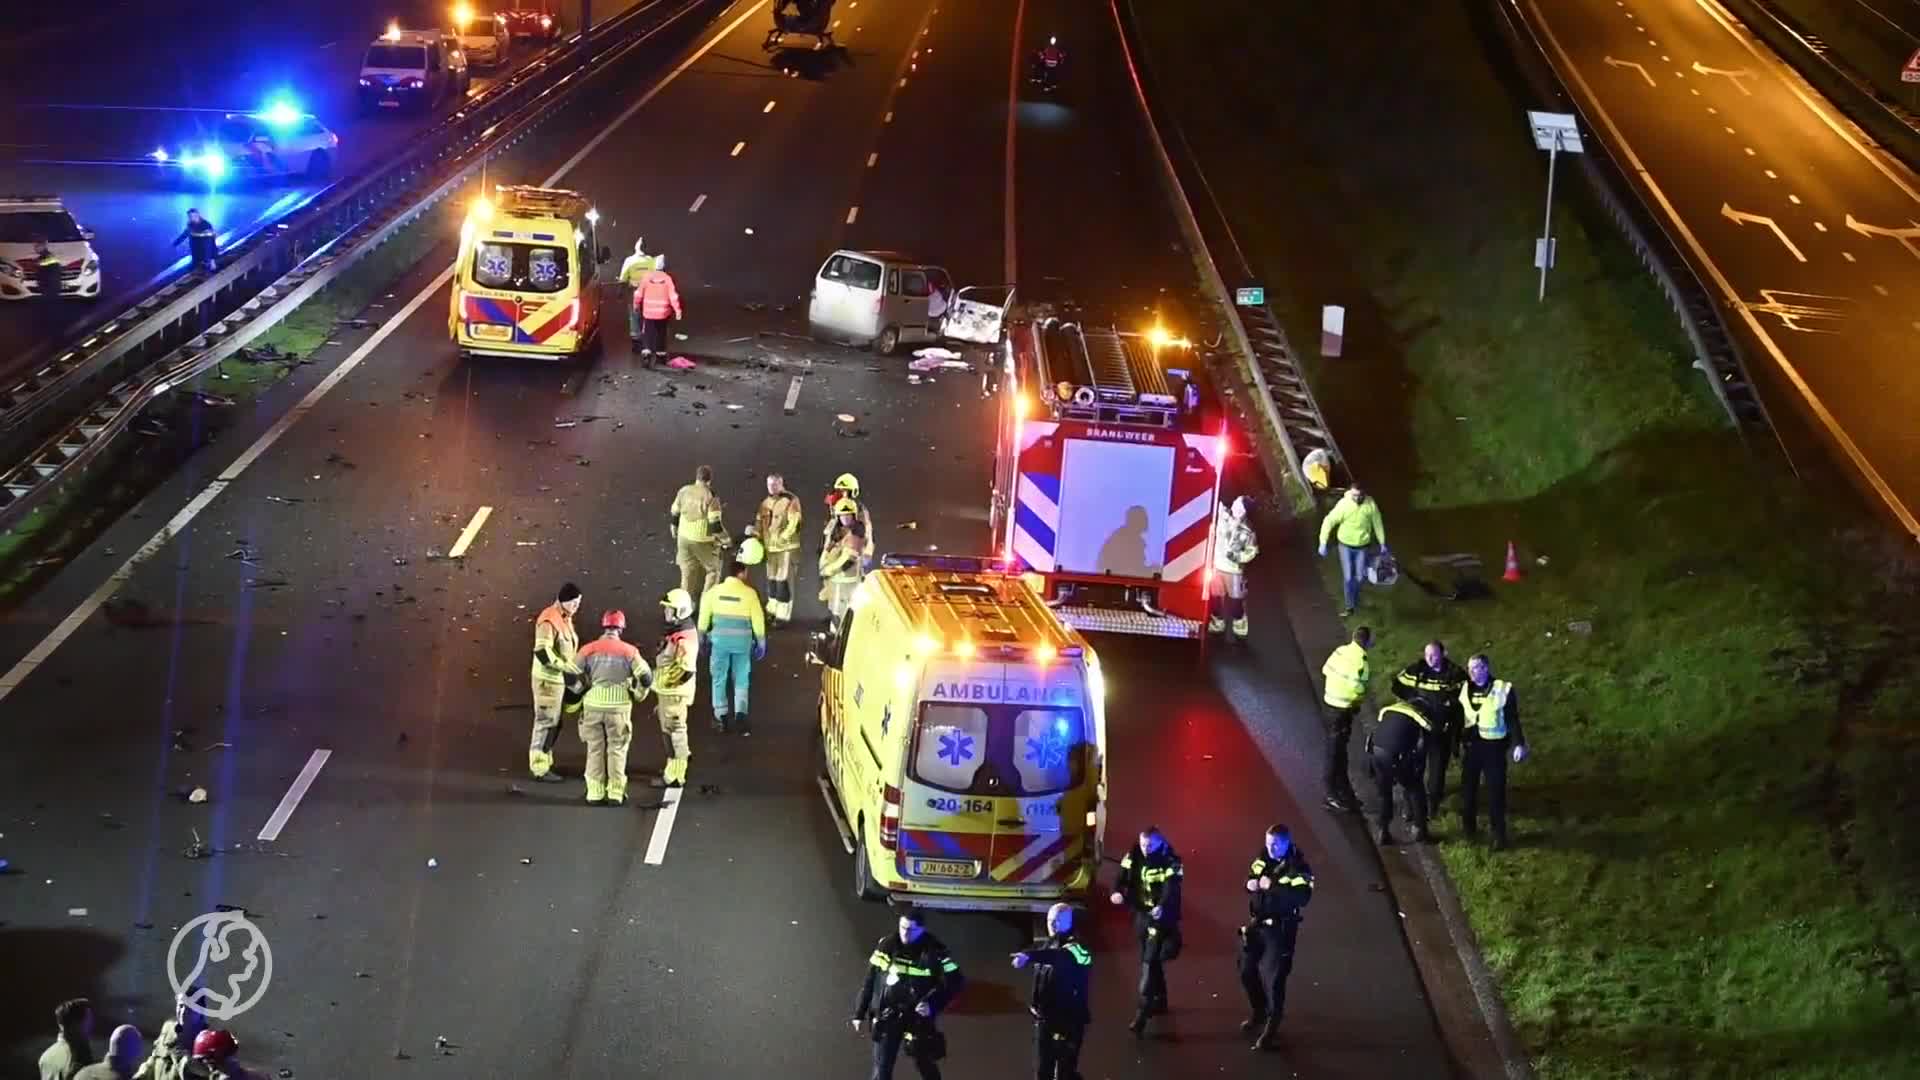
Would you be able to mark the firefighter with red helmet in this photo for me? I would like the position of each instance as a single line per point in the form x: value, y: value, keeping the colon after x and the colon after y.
x: 214, y: 1056
x: 616, y: 677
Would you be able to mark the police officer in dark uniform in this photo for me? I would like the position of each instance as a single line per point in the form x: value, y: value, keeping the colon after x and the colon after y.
x: 1279, y: 886
x: 910, y: 979
x: 1060, y: 996
x: 1433, y: 683
x: 1395, y: 753
x: 1149, y: 884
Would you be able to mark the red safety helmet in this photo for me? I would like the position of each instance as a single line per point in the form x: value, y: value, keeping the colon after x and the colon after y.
x: 614, y: 620
x: 214, y: 1043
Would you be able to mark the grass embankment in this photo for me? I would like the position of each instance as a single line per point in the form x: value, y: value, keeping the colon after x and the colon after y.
x: 1872, y: 40
x: 41, y: 544
x: 1716, y: 855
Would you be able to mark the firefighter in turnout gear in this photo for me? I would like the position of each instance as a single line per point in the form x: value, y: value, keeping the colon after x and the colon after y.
x: 554, y: 644
x: 1149, y: 886
x: 846, y: 486
x: 616, y: 677
x: 1491, y: 738
x: 778, y: 526
x: 674, y: 684
x: 1433, y: 682
x: 910, y: 979
x: 1395, y: 752
x: 1346, y: 672
x: 1061, y: 996
x: 1279, y: 887
x: 1234, y: 546
x: 840, y: 567
x: 698, y: 536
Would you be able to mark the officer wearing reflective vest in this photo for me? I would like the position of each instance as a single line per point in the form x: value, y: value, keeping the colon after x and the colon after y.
x: 1234, y: 546
x: 633, y: 271
x: 909, y: 981
x: 1061, y: 995
x: 1433, y: 683
x: 1279, y: 887
x: 1149, y: 885
x: 1493, y: 737
x: 1395, y: 752
x: 1346, y: 672
x: 674, y: 670
x: 554, y: 643
x: 698, y: 537
x: 616, y: 677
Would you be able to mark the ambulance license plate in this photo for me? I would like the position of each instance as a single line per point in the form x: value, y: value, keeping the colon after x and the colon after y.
x: 491, y: 332
x: 947, y: 868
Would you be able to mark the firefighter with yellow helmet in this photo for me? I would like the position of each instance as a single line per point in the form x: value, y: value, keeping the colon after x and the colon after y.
x: 843, y: 562
x: 675, y: 667
x: 846, y: 486
x: 616, y: 677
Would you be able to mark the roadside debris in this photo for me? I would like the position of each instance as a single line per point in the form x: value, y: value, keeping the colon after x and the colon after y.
x: 681, y: 363
x: 433, y: 864
x: 909, y: 526
x: 245, y: 555
x: 936, y: 352
x: 197, y: 795
x: 284, y: 499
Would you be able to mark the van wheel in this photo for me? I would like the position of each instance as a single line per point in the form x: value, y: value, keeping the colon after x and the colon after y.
x: 863, y: 887
x: 318, y: 165
x: 888, y: 341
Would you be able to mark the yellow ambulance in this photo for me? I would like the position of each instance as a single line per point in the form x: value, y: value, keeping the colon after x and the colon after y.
x: 963, y: 737
x: 525, y: 280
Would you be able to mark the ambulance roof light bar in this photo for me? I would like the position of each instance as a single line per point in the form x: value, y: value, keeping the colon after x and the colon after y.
x: 953, y: 564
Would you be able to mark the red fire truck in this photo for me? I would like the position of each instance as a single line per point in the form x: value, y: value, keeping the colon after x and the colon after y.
x: 1111, y: 447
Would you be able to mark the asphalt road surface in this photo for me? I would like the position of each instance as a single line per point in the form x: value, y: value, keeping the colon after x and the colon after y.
x: 86, y: 106
x: 1808, y: 227
x: 422, y: 887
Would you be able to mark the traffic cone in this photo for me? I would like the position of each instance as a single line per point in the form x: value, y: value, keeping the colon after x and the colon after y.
x: 1513, y: 564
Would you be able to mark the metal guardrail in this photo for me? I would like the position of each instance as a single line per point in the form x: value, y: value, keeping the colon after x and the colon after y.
x: 65, y: 456
x: 1892, y: 124
x: 183, y: 308
x: 1716, y: 354
x: 1284, y: 401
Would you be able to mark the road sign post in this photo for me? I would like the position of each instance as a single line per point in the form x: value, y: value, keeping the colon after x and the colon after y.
x: 1556, y: 133
x: 1911, y: 73
x: 1254, y: 296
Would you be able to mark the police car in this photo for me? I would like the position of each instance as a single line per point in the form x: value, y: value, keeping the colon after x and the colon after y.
x: 28, y: 219
x: 277, y: 141
x: 412, y: 69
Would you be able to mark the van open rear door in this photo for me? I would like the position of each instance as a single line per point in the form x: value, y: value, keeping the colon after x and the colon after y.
x: 978, y: 314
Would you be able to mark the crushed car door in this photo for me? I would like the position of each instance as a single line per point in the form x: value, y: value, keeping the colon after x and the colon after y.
x: 978, y: 314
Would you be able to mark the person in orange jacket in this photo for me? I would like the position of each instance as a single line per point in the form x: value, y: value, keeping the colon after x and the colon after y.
x: 656, y: 297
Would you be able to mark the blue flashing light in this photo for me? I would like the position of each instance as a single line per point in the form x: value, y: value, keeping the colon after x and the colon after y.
x: 279, y: 114
x: 160, y: 155
x: 209, y: 162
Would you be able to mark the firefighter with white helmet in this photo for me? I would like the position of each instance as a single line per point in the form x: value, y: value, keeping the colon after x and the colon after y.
x: 675, y: 666
x: 616, y: 677
x: 1234, y: 546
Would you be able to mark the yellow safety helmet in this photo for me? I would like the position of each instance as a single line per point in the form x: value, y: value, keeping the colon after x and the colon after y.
x: 679, y: 603
x: 845, y: 505
x: 848, y: 483
x: 752, y: 552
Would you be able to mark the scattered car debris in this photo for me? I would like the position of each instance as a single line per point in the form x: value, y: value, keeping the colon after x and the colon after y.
x: 399, y: 560
x: 284, y: 499
x: 77, y: 912
x: 908, y: 525
x: 197, y: 795
x: 681, y: 363
x: 433, y: 864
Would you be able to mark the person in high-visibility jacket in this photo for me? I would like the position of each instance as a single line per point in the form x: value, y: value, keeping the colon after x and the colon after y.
x: 732, y: 619
x: 840, y: 567
x: 1234, y: 546
x: 778, y: 525
x: 554, y: 644
x: 846, y: 487
x: 1355, y: 523
x: 1346, y: 672
x: 1493, y: 737
x: 632, y: 271
x: 657, y: 299
x: 674, y: 671
x: 694, y: 521
x: 1396, y: 754
x: 616, y: 677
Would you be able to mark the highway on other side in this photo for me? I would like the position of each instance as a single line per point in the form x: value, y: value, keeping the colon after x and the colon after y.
x: 1807, y: 228
x: 87, y: 104
x: 422, y: 887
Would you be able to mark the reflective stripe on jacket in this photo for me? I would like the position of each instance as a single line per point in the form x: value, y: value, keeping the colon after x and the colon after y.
x: 696, y: 510
x: 1358, y: 523
x: 731, y: 616
x: 656, y: 296
x: 1346, y: 672
x: 676, y: 667
x: 615, y: 673
x: 778, y: 522
x: 1488, y: 715
x: 554, y: 645
x: 1291, y: 888
x: 1234, y: 544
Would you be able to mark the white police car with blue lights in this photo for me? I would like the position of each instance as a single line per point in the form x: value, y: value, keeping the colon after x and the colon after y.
x: 27, y: 220
x: 276, y: 141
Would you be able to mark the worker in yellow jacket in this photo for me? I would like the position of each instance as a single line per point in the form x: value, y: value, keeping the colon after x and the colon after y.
x: 778, y: 527
x: 674, y: 673
x: 1355, y: 523
x: 616, y: 677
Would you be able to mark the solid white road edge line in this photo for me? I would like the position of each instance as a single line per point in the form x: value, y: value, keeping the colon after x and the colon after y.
x: 472, y: 530
x: 663, y: 826
x: 18, y: 673
x: 291, y: 800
